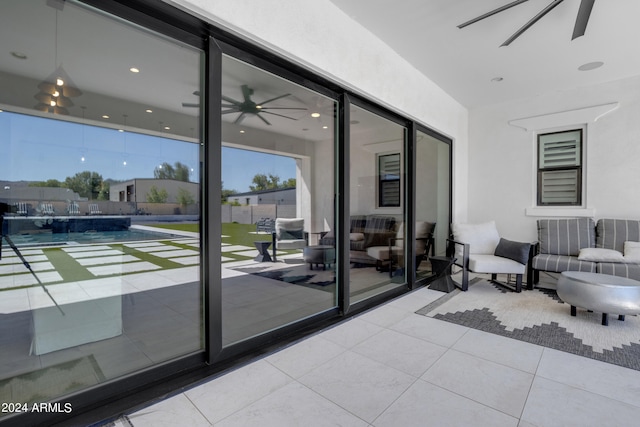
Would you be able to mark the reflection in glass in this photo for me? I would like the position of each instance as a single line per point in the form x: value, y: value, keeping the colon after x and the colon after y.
x: 376, y: 229
x: 103, y: 200
x: 432, y: 197
x: 278, y: 247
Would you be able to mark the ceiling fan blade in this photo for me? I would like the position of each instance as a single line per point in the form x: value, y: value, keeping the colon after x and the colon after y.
x: 282, y: 108
x: 583, y: 18
x: 533, y: 20
x: 190, y: 105
x: 279, y: 115
x: 231, y: 100
x: 264, y: 120
x: 246, y: 93
x: 229, y: 105
x: 231, y: 111
x: 240, y: 118
x: 493, y: 12
x: 273, y: 99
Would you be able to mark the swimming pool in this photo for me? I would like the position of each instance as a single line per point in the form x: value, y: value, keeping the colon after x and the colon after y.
x: 88, y: 237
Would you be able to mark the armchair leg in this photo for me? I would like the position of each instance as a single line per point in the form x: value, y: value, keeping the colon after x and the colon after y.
x: 465, y: 279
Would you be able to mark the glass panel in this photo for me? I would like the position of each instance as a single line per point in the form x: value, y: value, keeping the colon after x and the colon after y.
x: 376, y: 232
x: 561, y: 149
x: 278, y: 248
x: 560, y: 187
x: 99, y: 172
x: 432, y: 200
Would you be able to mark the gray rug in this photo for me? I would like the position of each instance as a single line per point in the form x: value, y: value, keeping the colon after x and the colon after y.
x: 541, y: 318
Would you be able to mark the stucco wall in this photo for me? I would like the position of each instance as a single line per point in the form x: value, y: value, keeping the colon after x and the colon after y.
x: 321, y: 37
x: 502, y: 157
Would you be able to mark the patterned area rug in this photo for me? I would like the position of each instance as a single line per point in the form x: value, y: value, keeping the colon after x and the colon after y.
x: 540, y: 317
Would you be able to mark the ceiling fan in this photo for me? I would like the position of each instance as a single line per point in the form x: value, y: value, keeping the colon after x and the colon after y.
x: 578, y: 30
x: 248, y: 106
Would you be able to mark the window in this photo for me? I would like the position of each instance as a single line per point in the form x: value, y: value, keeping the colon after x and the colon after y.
x: 389, y: 180
x: 560, y: 168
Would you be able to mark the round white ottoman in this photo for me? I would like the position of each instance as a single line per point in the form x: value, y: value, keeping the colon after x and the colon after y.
x: 601, y: 293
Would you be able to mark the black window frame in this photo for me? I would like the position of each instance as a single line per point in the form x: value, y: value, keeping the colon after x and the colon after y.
x: 577, y: 168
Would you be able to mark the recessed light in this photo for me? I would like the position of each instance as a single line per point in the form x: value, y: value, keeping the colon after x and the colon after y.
x: 315, y: 115
x: 120, y: 130
x: 18, y: 55
x: 497, y: 79
x: 241, y: 131
x: 134, y: 70
x: 105, y: 116
x: 325, y: 127
x: 149, y: 111
x: 167, y: 128
x: 591, y: 66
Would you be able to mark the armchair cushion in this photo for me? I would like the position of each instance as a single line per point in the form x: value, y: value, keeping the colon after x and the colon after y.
x: 289, y: 228
x: 516, y: 251
x: 482, y: 238
x: 481, y: 263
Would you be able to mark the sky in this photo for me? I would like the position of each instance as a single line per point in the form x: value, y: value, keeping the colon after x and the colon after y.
x: 38, y: 149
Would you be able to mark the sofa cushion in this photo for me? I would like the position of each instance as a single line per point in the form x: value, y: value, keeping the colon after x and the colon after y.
x: 632, y: 252
x: 600, y: 255
x: 632, y: 271
x: 566, y: 236
x: 289, y: 228
x: 482, y: 263
x: 482, y: 238
x: 560, y: 263
x: 612, y: 233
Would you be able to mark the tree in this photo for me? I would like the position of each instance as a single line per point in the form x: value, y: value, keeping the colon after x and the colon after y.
x: 47, y: 183
x: 86, y: 184
x: 185, y: 197
x: 157, y: 196
x: 178, y: 171
x: 289, y: 183
x: 264, y: 182
x: 226, y: 193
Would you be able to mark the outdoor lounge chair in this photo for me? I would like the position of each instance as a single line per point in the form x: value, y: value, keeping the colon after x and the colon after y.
x: 94, y: 209
x: 480, y: 249
x: 73, y: 208
x: 46, y: 209
x: 22, y: 209
x: 289, y: 234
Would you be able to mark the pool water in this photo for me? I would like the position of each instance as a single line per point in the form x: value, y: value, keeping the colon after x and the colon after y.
x: 88, y: 237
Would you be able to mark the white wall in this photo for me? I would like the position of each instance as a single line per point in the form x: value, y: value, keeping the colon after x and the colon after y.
x: 502, y: 157
x: 319, y: 36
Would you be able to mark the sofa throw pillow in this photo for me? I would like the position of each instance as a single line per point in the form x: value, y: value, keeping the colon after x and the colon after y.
x: 516, y: 251
x: 291, y: 234
x: 632, y: 252
x: 356, y: 237
x: 600, y: 255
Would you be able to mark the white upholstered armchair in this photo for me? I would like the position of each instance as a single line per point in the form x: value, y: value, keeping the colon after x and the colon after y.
x: 480, y: 249
x: 289, y: 233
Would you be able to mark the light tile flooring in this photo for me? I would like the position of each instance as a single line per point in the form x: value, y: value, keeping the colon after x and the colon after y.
x: 392, y: 367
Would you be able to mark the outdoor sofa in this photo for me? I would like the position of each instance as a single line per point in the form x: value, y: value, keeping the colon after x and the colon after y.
x: 610, y: 246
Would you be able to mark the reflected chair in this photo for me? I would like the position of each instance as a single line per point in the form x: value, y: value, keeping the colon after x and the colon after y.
x: 289, y: 234
x: 480, y: 249
x: 73, y: 208
x: 94, y: 209
x: 46, y: 209
x: 22, y: 209
x: 393, y: 253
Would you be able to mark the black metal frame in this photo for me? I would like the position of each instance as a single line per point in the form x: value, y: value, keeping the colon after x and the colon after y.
x: 107, y: 400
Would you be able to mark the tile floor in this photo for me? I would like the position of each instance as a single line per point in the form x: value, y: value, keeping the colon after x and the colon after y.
x: 392, y: 367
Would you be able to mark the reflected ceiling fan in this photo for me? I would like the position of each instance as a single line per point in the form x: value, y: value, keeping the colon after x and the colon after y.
x: 578, y: 30
x: 248, y: 106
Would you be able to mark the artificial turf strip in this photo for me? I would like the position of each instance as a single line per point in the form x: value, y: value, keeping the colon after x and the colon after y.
x: 67, y: 266
x: 144, y: 256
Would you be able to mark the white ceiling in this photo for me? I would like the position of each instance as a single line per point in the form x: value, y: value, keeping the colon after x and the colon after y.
x: 544, y: 59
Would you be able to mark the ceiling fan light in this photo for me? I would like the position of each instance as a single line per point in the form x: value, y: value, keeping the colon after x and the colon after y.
x: 52, y: 103
x: 59, y: 82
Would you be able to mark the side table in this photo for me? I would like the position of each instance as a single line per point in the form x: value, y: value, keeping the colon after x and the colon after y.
x: 441, y: 266
x: 263, y: 249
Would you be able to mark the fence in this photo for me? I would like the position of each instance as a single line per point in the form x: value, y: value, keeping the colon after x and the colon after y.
x: 252, y: 213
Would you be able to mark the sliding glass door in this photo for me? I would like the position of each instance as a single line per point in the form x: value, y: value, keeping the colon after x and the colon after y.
x: 100, y: 195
